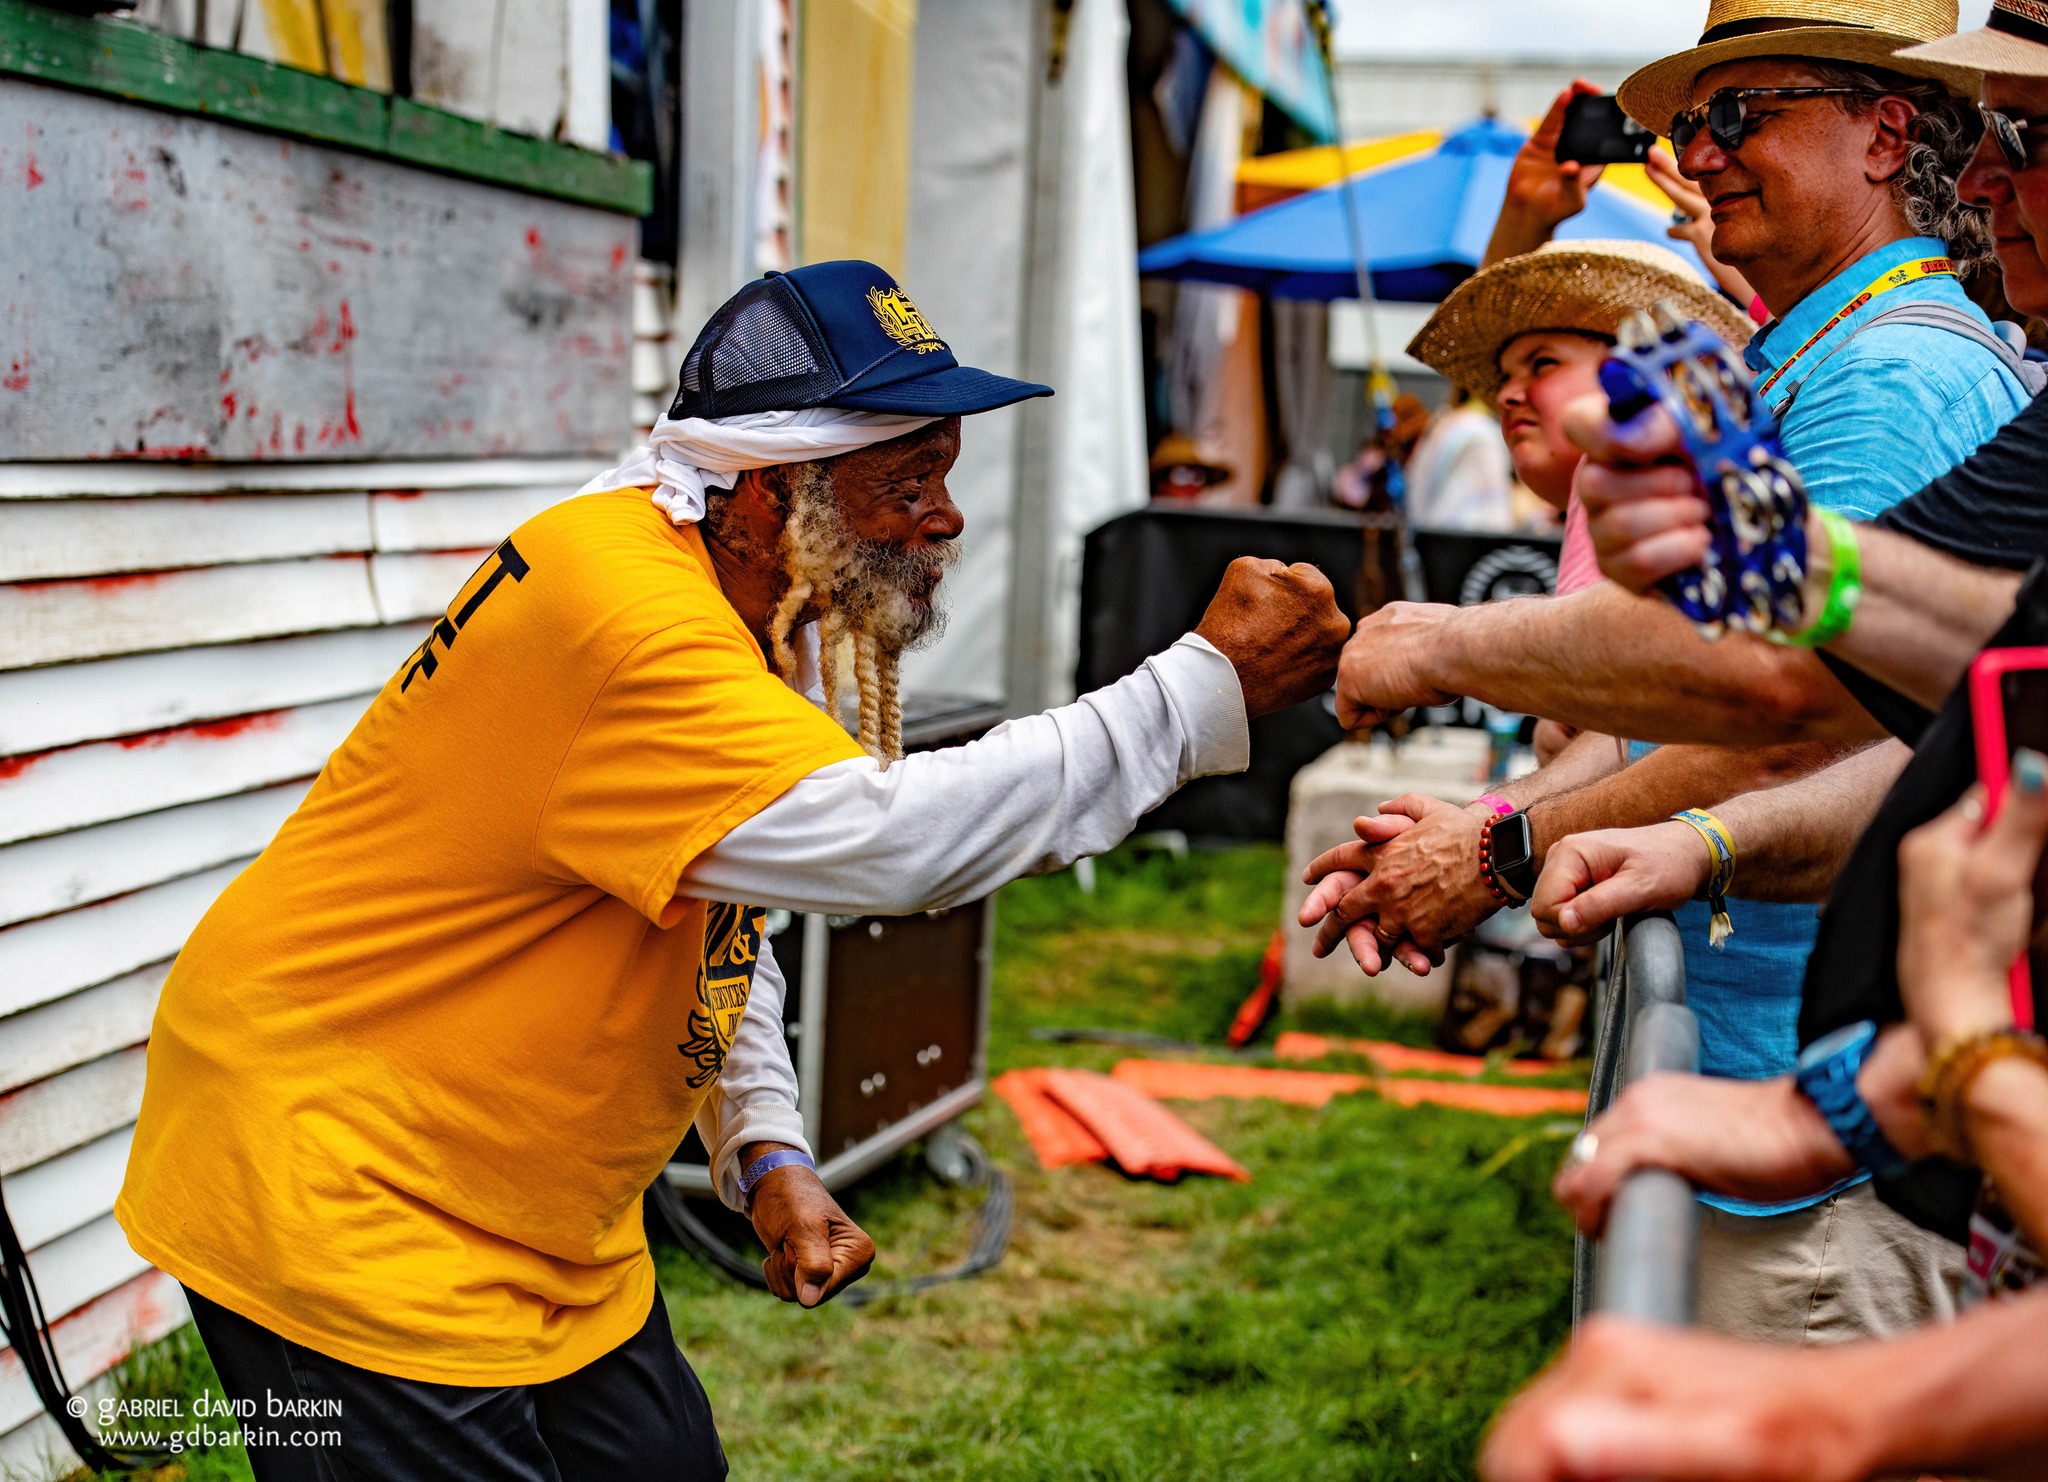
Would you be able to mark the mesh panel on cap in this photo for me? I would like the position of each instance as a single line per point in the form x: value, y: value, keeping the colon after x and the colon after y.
x: 756, y: 355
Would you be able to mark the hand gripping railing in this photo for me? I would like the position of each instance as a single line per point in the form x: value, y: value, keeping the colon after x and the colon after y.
x: 1647, y: 1266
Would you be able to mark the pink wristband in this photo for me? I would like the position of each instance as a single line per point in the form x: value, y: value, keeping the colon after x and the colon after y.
x: 1500, y: 805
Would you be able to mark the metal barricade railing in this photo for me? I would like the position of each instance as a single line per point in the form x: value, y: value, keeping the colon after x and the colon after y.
x: 1647, y: 1265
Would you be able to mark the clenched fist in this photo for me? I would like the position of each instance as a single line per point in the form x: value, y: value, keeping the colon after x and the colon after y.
x: 1280, y: 627
x: 1389, y: 664
x: 814, y: 1250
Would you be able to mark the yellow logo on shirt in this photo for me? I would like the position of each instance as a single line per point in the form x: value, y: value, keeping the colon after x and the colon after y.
x: 902, y: 322
x: 725, y: 976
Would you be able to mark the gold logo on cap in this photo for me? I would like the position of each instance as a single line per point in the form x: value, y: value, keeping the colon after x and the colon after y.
x: 902, y: 322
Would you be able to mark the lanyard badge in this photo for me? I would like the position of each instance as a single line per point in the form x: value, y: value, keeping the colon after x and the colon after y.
x: 1751, y: 578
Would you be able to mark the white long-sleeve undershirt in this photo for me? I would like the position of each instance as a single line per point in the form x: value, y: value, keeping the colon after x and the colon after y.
x: 940, y: 828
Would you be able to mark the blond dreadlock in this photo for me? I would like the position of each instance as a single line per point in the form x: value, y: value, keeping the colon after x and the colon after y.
x: 890, y: 702
x: 779, y: 626
x: 831, y: 637
x: 815, y: 556
x: 867, y: 674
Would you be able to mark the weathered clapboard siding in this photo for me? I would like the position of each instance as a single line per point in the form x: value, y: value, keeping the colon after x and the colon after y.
x: 89, y: 1262
x: 42, y: 709
x: 46, y: 539
x: 180, y: 648
x: 61, y: 621
x: 69, y: 1191
x: 159, y: 480
x: 54, y: 791
x: 426, y: 520
x: 418, y: 584
x: 69, y: 1109
x: 47, y: 958
x: 80, y: 1027
x: 41, y: 876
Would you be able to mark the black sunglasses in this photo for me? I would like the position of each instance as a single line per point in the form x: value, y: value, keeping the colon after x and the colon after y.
x: 2010, y: 132
x: 1725, y: 115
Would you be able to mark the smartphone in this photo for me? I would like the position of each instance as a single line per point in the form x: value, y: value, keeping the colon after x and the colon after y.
x: 1597, y: 132
x: 2009, y: 706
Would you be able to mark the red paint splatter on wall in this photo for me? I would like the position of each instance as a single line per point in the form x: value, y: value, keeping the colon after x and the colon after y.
x: 128, y: 583
x: 348, y: 373
x: 212, y: 730
x: 31, y: 176
x: 169, y: 453
x: 12, y: 767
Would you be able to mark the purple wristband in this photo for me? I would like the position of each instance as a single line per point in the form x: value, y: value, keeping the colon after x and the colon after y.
x: 767, y: 1163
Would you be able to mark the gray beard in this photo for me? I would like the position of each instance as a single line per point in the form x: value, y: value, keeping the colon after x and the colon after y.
x: 888, y: 592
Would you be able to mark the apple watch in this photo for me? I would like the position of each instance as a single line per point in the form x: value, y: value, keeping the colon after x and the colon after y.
x: 1510, y: 859
x: 1826, y: 1076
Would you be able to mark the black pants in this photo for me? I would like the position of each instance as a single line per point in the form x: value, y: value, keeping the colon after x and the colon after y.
x: 637, y: 1412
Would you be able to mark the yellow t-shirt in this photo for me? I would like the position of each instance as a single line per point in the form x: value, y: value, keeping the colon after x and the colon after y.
x: 412, y: 1072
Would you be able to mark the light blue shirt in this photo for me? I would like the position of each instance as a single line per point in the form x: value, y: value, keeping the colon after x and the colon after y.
x: 1875, y: 421
x: 1889, y: 409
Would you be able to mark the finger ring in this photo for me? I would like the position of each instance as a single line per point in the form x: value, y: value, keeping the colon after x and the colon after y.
x: 1585, y: 1147
x: 1389, y: 937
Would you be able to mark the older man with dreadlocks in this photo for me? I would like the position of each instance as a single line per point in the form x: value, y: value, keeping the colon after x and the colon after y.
x: 414, y: 1069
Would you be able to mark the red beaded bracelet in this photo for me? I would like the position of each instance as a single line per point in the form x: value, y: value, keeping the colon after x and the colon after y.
x: 1486, y: 861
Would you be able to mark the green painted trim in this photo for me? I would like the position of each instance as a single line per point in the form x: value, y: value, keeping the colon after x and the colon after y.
x: 123, y: 60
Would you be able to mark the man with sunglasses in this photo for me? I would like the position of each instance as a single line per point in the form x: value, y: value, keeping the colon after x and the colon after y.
x: 1831, y: 184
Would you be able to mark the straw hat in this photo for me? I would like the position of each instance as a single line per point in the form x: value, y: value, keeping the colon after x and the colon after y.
x: 1589, y: 287
x: 1870, y: 32
x: 2015, y: 43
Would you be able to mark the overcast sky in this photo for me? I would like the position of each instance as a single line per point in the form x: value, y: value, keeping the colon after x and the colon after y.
x: 1534, y: 28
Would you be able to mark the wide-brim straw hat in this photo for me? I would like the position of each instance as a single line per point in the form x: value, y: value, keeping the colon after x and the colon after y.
x: 1584, y: 287
x: 1870, y: 32
x: 2014, y: 43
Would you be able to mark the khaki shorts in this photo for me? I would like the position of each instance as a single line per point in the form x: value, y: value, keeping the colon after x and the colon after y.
x: 1849, y: 1267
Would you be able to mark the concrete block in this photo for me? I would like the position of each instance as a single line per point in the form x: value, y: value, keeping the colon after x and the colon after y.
x: 1349, y: 780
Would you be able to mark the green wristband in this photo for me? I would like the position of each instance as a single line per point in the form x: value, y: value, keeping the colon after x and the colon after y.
x: 1845, y: 587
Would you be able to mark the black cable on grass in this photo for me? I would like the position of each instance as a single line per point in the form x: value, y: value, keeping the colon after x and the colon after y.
x: 28, y: 1332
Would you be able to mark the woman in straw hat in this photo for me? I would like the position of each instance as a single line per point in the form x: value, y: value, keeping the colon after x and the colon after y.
x: 1528, y: 335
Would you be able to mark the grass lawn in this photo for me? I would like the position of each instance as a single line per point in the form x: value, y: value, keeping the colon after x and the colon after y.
x: 1358, y: 1309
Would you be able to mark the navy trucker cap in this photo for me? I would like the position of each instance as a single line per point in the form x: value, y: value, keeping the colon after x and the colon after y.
x: 834, y: 334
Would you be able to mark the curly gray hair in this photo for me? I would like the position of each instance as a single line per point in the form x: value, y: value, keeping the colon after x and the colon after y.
x: 1944, y: 135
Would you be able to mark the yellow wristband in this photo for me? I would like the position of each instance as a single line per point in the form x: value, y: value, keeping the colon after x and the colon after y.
x: 1721, y: 845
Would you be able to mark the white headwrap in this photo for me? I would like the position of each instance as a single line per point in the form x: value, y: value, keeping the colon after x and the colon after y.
x: 684, y: 456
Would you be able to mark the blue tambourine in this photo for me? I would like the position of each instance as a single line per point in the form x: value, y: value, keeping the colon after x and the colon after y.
x: 1752, y: 578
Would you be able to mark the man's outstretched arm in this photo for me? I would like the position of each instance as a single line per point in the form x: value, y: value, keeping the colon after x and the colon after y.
x: 1923, y: 614
x: 1602, y: 660
x: 943, y: 827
